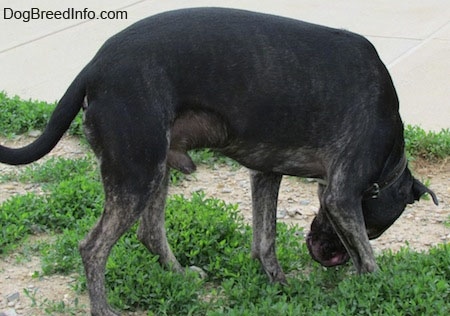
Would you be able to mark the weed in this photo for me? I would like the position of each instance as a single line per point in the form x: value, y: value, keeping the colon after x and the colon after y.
x: 429, y: 145
x: 176, y: 177
x: 210, y: 234
x: 31, y: 294
x: 72, y: 192
x: 21, y: 116
x: 53, y: 171
x: 195, y: 241
x: 54, y: 307
x: 212, y: 158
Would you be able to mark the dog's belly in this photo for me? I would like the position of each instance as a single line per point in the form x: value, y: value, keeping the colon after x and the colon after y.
x: 299, y: 162
x: 200, y: 129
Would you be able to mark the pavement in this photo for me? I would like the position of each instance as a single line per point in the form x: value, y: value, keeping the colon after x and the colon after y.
x: 39, y: 58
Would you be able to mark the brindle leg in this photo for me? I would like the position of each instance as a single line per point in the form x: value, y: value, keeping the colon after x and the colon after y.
x: 152, y: 232
x: 265, y: 188
x: 345, y: 213
x: 120, y: 213
x: 132, y: 147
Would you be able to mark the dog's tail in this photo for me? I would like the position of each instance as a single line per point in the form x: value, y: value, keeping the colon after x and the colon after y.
x: 60, y: 120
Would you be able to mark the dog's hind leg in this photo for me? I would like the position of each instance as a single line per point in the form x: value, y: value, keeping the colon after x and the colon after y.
x: 152, y: 232
x: 265, y: 188
x: 123, y: 206
x: 125, y: 202
x: 121, y: 212
x: 131, y: 143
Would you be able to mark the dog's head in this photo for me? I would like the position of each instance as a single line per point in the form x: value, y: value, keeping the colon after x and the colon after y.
x: 379, y: 213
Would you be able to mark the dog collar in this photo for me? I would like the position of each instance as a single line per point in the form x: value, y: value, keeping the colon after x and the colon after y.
x: 374, y: 191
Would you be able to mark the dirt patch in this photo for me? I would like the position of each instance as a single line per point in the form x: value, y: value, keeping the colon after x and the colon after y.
x: 421, y: 225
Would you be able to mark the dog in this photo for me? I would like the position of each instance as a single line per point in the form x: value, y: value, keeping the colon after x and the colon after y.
x: 280, y: 96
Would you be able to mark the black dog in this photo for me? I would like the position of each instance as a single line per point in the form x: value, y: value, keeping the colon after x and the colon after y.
x: 278, y: 95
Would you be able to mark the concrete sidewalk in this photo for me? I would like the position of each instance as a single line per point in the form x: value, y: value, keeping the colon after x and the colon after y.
x: 39, y: 58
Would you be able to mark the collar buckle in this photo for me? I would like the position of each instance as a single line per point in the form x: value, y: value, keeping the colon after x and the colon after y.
x: 374, y: 190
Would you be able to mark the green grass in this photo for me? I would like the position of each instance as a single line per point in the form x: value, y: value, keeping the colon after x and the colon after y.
x: 52, y: 171
x: 20, y: 116
x: 210, y: 234
x: 53, y: 307
x: 66, y: 183
x: 427, y: 144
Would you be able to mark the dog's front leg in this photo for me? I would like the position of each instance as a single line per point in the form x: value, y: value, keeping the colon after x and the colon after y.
x: 345, y: 214
x: 265, y: 188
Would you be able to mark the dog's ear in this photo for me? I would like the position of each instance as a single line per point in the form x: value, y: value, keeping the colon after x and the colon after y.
x: 419, y: 189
